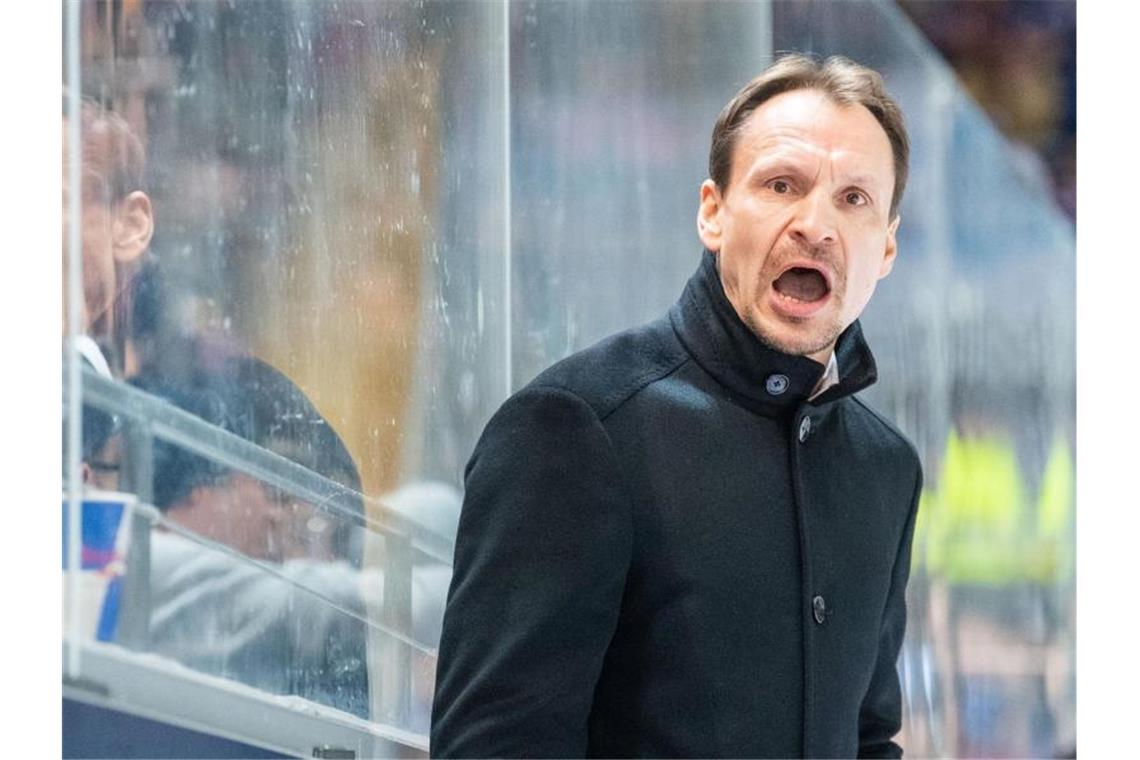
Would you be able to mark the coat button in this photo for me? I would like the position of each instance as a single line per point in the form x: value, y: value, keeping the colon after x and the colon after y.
x: 805, y: 428
x: 818, y: 609
x: 776, y: 384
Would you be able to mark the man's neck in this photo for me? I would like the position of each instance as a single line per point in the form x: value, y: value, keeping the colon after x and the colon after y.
x: 823, y: 356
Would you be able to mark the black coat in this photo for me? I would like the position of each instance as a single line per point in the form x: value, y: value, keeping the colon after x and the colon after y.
x: 650, y: 561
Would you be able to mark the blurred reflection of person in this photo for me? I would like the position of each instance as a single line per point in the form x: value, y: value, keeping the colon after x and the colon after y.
x: 224, y: 615
x: 1056, y: 525
x: 249, y: 398
x: 101, y: 450
x: 692, y: 539
x: 992, y: 564
x: 116, y: 226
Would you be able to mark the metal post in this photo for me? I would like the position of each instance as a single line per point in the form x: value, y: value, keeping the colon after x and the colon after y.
x: 72, y: 380
x: 395, y: 680
x: 138, y: 478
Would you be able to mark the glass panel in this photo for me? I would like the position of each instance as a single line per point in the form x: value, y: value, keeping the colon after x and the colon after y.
x: 981, y: 376
x: 259, y: 570
x: 303, y: 627
x: 74, y: 319
x: 612, y: 107
x: 293, y: 229
x: 296, y: 629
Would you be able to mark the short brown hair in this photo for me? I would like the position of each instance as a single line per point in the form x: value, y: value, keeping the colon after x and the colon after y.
x: 842, y: 80
x: 114, y: 160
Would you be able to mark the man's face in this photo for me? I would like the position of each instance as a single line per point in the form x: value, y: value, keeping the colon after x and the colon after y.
x: 802, y: 233
x: 98, y: 264
x: 101, y: 471
x: 95, y: 241
x: 239, y: 511
x: 111, y: 233
x: 257, y: 520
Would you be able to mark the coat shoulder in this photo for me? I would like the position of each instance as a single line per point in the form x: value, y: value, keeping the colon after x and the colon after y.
x: 613, y: 370
x: 880, y: 432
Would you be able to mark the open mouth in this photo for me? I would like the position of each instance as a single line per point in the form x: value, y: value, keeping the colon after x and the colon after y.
x: 802, y: 285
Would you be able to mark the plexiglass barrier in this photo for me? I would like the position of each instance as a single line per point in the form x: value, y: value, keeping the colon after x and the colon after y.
x: 321, y: 242
x: 236, y: 562
x: 974, y: 333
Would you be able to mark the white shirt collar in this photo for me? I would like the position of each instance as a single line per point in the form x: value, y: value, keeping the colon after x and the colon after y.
x: 89, y: 350
x: 830, y: 377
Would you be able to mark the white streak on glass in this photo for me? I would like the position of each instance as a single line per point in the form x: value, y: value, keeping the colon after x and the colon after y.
x: 507, y: 322
x: 71, y: 354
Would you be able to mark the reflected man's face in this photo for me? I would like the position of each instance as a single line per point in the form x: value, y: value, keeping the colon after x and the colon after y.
x: 257, y: 520
x: 802, y: 233
x: 113, y: 233
x: 238, y: 511
x: 95, y: 241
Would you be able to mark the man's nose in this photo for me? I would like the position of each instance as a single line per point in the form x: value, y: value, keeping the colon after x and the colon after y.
x: 814, y: 222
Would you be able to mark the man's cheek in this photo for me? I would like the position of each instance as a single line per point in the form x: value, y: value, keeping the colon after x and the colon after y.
x: 760, y: 276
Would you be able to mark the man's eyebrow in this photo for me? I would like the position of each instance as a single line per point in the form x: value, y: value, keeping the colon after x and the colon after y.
x: 777, y: 163
x: 862, y: 180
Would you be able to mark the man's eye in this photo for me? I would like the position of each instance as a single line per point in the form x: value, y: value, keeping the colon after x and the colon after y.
x: 854, y: 198
x: 780, y: 186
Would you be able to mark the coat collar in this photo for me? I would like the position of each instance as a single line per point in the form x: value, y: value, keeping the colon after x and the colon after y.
x: 764, y: 379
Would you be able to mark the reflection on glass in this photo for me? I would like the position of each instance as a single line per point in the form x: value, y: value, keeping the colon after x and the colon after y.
x: 299, y: 630
x: 116, y: 225
x: 250, y: 398
x: 312, y: 271
x: 980, y: 374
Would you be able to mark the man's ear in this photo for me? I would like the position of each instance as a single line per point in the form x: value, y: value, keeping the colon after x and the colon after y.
x: 708, y: 216
x: 892, y: 248
x: 133, y: 227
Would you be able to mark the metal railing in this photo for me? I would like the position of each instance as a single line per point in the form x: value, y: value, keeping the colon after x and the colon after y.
x: 161, y: 420
x: 145, y: 419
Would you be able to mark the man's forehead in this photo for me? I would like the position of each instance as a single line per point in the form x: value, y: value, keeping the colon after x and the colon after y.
x: 807, y: 124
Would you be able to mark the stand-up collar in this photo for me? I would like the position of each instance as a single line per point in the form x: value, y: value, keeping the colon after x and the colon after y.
x: 765, y: 379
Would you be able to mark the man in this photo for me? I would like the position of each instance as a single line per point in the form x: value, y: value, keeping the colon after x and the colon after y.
x: 691, y: 539
x: 300, y: 630
x: 116, y: 226
x: 288, y: 632
x: 252, y: 399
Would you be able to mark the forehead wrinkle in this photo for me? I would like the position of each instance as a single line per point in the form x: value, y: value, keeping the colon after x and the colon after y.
x: 839, y: 163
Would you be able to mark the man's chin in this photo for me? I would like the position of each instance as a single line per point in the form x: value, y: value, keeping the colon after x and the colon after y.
x: 793, y: 342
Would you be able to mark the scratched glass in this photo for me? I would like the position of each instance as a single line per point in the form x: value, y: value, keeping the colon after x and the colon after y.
x: 316, y: 322
x: 980, y: 374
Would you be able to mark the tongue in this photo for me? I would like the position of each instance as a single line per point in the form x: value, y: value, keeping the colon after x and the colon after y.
x: 803, y: 284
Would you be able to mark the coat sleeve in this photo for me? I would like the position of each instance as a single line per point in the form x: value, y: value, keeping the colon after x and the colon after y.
x: 541, y: 555
x: 880, y: 715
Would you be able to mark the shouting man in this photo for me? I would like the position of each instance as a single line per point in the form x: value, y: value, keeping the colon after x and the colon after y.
x: 692, y: 539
